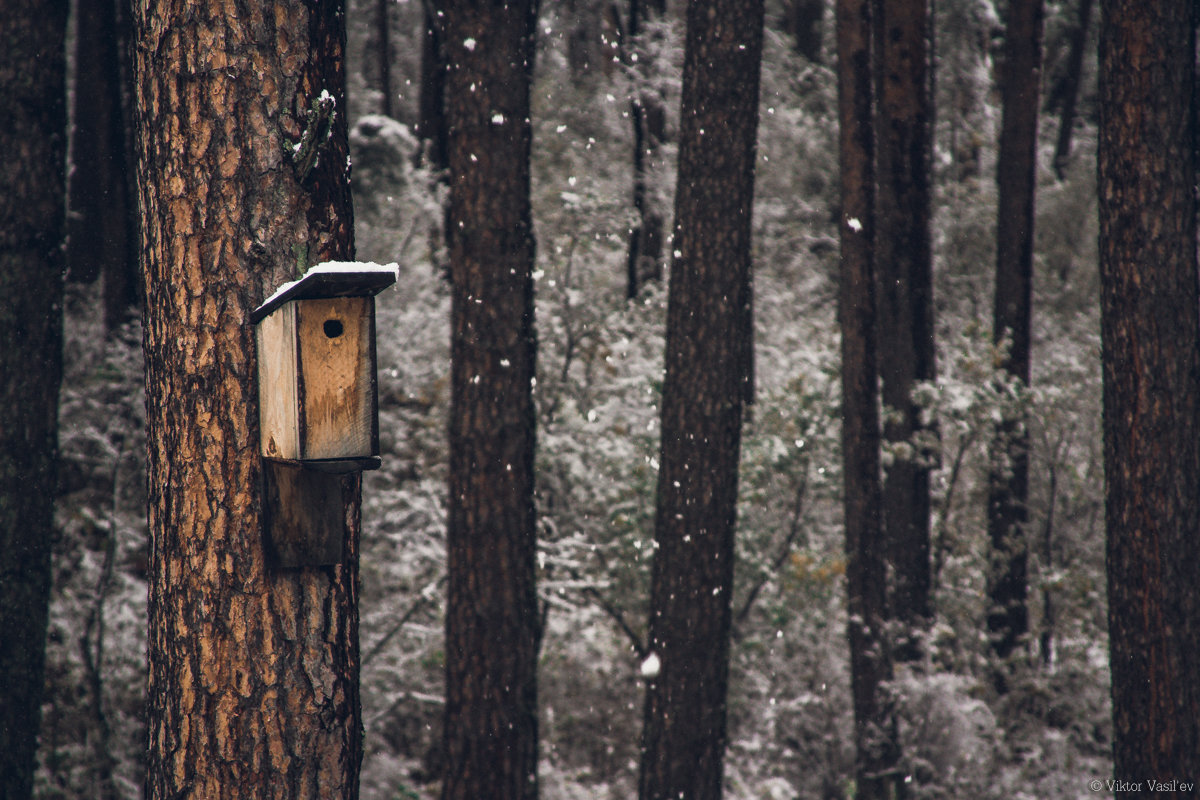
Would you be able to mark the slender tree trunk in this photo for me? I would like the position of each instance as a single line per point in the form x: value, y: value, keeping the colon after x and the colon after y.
x: 1016, y: 180
x: 904, y: 263
x: 383, y: 29
x: 33, y: 139
x: 431, y: 116
x: 707, y: 347
x: 1069, y: 89
x: 648, y: 117
x: 492, y: 629
x: 877, y: 773
x: 103, y: 221
x: 803, y: 20
x: 253, y: 669
x: 1151, y: 365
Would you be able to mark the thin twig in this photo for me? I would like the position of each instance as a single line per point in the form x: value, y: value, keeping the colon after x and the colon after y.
x: 785, y: 550
x: 420, y: 603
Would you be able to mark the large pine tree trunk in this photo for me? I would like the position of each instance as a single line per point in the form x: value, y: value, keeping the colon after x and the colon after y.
x: 875, y: 733
x: 253, y: 669
x: 492, y: 631
x: 1151, y: 362
x: 32, y: 172
x: 904, y: 265
x: 1016, y: 179
x: 707, y: 367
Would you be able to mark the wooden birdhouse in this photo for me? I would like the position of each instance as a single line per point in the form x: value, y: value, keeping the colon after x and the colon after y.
x: 318, y: 403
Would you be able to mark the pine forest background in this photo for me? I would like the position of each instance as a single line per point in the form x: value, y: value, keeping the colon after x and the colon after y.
x: 599, y: 378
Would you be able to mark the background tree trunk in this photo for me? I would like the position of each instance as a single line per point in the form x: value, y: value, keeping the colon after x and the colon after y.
x: 1068, y: 90
x: 492, y: 629
x: 709, y: 336
x: 904, y: 262
x: 431, y: 116
x: 33, y: 140
x: 1016, y: 180
x: 1151, y: 368
x: 103, y: 222
x: 649, y: 132
x: 803, y: 20
x: 876, y: 769
x: 253, y: 669
x: 383, y: 30
x: 877, y: 773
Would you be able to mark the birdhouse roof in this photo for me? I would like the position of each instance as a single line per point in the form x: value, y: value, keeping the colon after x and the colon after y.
x: 331, y: 279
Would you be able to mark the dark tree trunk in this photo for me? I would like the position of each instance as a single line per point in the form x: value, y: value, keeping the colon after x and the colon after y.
x: 1069, y: 89
x: 33, y: 140
x: 1151, y: 365
x: 253, y: 669
x: 1016, y: 180
x: 877, y: 773
x: 431, y: 116
x: 648, y: 115
x: 103, y: 233
x: 492, y: 629
x: 383, y: 29
x: 904, y: 266
x: 708, y: 342
x: 803, y: 20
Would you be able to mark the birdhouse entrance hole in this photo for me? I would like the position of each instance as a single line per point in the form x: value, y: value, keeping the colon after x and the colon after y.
x: 333, y: 328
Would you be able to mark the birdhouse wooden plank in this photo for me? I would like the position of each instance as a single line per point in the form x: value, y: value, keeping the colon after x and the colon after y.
x: 318, y: 405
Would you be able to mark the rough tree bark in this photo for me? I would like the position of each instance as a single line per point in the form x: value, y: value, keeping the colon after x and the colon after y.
x: 707, y: 353
x: 904, y: 266
x: 1151, y: 365
x: 253, y: 669
x: 875, y: 732
x: 492, y: 629
x: 32, y: 219
x: 1016, y: 180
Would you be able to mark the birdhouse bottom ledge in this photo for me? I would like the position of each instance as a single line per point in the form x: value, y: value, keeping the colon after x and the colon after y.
x: 336, y: 466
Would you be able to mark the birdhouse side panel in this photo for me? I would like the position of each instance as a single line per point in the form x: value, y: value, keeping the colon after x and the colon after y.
x: 337, y: 378
x: 278, y: 407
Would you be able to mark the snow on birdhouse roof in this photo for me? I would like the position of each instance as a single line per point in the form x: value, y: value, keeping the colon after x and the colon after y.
x: 331, y: 279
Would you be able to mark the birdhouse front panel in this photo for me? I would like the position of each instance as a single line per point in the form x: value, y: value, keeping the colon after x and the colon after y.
x: 336, y: 385
x: 317, y: 380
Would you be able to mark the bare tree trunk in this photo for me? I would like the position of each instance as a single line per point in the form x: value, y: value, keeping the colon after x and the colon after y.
x: 1016, y: 179
x: 1150, y: 318
x: 383, y: 29
x: 492, y: 627
x: 707, y: 351
x: 648, y: 117
x: 431, y: 117
x: 103, y: 220
x: 904, y: 264
x: 803, y: 20
x: 877, y: 773
x: 1070, y: 88
x: 253, y: 669
x: 33, y: 139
